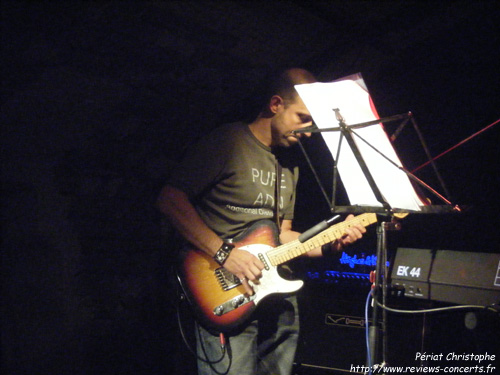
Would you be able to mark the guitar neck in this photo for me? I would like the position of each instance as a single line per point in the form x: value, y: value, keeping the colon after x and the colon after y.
x: 294, y: 249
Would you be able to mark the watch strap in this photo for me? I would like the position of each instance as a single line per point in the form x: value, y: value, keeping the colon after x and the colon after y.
x: 223, y: 253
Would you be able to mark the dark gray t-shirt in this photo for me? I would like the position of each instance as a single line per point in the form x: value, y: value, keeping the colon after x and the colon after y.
x: 230, y: 177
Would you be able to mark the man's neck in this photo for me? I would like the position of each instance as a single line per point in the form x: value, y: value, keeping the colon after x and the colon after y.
x: 261, y: 129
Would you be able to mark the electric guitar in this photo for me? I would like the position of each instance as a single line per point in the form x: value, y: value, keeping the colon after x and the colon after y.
x: 218, y: 297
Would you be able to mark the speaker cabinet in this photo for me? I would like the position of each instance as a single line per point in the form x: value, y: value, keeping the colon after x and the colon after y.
x: 333, y: 338
x: 332, y: 329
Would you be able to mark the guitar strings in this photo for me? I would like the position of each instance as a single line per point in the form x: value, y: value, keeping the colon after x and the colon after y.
x: 292, y: 250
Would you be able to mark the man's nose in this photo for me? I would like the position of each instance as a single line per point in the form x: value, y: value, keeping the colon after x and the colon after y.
x: 307, y: 125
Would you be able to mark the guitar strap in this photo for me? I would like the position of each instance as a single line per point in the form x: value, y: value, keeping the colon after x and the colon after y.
x: 277, y: 196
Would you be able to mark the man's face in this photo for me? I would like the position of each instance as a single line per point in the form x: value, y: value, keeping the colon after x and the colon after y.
x: 287, y: 119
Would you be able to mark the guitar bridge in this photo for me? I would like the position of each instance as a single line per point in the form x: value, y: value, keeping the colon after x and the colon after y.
x: 226, y: 279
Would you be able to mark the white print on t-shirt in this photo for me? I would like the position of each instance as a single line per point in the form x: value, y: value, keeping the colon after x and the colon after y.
x: 267, y: 202
x: 252, y: 211
x: 263, y: 201
x: 266, y: 178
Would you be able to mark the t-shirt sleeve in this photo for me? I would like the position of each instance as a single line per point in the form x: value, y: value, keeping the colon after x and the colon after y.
x: 202, y: 166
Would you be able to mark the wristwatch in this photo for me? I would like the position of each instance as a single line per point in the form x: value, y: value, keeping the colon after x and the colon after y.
x: 222, y: 254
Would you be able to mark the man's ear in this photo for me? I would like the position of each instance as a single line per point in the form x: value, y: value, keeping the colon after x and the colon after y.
x: 275, y: 103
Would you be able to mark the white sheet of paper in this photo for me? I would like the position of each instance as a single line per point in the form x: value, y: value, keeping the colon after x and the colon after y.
x: 353, y: 100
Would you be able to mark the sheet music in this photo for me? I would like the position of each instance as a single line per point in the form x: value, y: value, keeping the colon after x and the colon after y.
x: 351, y: 97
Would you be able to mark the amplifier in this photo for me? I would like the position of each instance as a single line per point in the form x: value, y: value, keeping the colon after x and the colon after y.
x: 457, y: 277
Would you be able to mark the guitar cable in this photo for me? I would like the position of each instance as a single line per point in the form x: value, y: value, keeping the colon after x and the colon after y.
x: 222, y: 339
x: 493, y: 308
x: 367, y: 333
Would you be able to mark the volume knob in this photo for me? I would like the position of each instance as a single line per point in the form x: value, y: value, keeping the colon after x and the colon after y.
x: 237, y: 301
x: 219, y: 310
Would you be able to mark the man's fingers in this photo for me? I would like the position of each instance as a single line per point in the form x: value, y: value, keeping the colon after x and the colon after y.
x: 248, y: 288
x: 353, y: 234
x: 254, y: 272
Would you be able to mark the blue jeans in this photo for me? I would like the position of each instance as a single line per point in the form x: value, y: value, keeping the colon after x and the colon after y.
x: 266, y: 346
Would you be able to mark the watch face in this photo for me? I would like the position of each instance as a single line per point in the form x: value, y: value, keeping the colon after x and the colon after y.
x: 221, y: 256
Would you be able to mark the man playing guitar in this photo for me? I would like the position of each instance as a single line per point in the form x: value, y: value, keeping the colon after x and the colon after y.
x: 236, y: 178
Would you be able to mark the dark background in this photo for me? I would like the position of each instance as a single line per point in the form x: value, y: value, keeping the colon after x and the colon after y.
x: 100, y: 99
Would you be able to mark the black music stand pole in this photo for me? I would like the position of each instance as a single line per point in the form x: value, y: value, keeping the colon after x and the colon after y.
x: 381, y: 285
x: 381, y: 269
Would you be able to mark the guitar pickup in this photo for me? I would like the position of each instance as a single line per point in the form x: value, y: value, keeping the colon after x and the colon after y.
x: 263, y: 260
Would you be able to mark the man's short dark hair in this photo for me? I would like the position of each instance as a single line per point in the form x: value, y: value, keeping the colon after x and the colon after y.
x: 284, y: 84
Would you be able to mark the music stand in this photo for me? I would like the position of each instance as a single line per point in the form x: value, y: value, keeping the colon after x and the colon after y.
x: 384, y: 206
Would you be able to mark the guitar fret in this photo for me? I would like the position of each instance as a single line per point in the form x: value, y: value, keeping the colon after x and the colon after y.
x: 294, y: 249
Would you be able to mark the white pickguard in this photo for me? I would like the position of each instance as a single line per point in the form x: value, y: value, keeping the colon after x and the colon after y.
x: 270, y: 282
